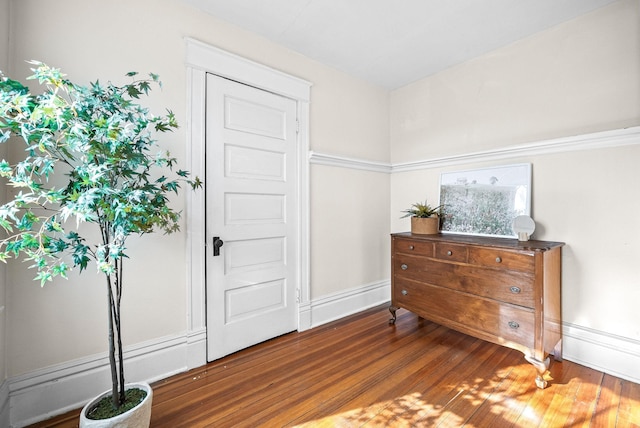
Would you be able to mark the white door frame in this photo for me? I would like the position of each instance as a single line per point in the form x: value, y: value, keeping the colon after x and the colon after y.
x: 201, y: 59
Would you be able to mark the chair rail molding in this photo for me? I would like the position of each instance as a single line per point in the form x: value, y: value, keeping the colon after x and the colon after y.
x: 348, y: 162
x: 593, y: 141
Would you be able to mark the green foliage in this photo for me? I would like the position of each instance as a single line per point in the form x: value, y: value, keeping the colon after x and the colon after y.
x: 421, y: 210
x: 101, y: 140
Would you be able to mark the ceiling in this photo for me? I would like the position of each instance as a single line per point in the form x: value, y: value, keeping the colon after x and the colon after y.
x: 391, y: 43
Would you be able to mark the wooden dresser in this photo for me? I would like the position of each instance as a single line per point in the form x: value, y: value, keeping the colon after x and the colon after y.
x: 497, y: 289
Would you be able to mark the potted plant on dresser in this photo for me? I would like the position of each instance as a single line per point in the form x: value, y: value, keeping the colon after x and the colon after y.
x: 91, y: 176
x: 425, y: 219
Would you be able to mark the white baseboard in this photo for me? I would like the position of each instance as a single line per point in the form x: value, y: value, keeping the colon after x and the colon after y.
x: 45, y: 393
x: 616, y: 355
x: 4, y: 404
x: 197, y: 348
x: 335, y: 306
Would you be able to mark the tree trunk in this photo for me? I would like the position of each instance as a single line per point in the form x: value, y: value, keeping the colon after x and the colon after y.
x: 112, y: 351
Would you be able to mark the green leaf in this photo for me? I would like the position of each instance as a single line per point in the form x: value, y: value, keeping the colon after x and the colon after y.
x: 133, y: 91
x: 44, y: 277
x: 5, y: 168
x: 60, y: 269
x: 102, y: 137
x: 145, y: 87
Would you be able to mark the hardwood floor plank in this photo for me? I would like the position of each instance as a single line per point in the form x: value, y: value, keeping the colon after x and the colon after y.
x: 584, y: 403
x: 361, y: 372
x: 437, y: 393
x: 629, y: 409
x: 536, y: 412
x: 428, y: 383
x: 476, y: 391
x: 263, y: 371
x: 374, y: 392
x: 509, y: 399
x: 326, y: 384
x: 574, y: 395
x: 608, y: 404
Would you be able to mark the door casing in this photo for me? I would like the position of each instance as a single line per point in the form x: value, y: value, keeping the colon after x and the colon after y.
x: 201, y: 59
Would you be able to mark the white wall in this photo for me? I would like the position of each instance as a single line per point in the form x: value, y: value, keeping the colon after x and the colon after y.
x: 65, y: 321
x: 575, y: 78
x: 349, y: 218
x: 579, y: 77
x: 357, y: 254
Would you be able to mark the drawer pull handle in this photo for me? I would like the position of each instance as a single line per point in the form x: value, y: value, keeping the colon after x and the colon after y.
x: 449, y: 253
x: 411, y: 247
x: 514, y: 325
x: 403, y: 266
x: 405, y: 292
x: 515, y: 290
x: 498, y: 260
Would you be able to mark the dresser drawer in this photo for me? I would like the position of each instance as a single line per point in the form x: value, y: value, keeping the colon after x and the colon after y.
x: 451, y: 252
x: 503, y: 322
x: 413, y: 247
x: 505, y: 286
x: 501, y: 258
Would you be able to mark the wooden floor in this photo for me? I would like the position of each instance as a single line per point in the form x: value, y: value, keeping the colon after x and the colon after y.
x: 360, y: 371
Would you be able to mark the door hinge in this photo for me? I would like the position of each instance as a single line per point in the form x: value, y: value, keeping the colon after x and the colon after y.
x: 297, y: 295
x: 297, y: 126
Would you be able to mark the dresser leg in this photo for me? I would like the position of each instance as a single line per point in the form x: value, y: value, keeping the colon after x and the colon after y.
x: 541, y: 368
x: 557, y: 351
x: 393, y: 310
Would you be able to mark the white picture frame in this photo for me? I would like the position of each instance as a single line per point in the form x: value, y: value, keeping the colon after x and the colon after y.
x: 485, y: 201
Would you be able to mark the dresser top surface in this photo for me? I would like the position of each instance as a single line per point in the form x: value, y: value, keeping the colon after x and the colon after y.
x: 487, y: 241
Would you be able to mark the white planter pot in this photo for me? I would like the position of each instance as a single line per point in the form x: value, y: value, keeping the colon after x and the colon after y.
x: 138, y: 417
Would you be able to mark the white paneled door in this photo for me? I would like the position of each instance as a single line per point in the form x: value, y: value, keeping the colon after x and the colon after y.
x: 251, y: 216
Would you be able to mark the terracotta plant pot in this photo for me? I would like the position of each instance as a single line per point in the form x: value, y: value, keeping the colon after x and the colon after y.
x: 425, y: 225
x: 138, y: 417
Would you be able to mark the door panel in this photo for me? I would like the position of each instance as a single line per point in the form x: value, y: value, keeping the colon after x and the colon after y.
x: 256, y: 299
x: 241, y: 208
x: 246, y: 116
x: 250, y: 163
x: 251, y: 199
x: 256, y: 254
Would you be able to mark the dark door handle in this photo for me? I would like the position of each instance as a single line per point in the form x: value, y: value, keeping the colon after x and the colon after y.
x: 217, y: 243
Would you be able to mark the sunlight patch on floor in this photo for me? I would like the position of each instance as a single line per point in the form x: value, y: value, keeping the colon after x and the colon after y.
x: 403, y: 411
x: 414, y: 409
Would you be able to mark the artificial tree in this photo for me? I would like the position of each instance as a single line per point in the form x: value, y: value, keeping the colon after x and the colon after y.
x: 116, y: 178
